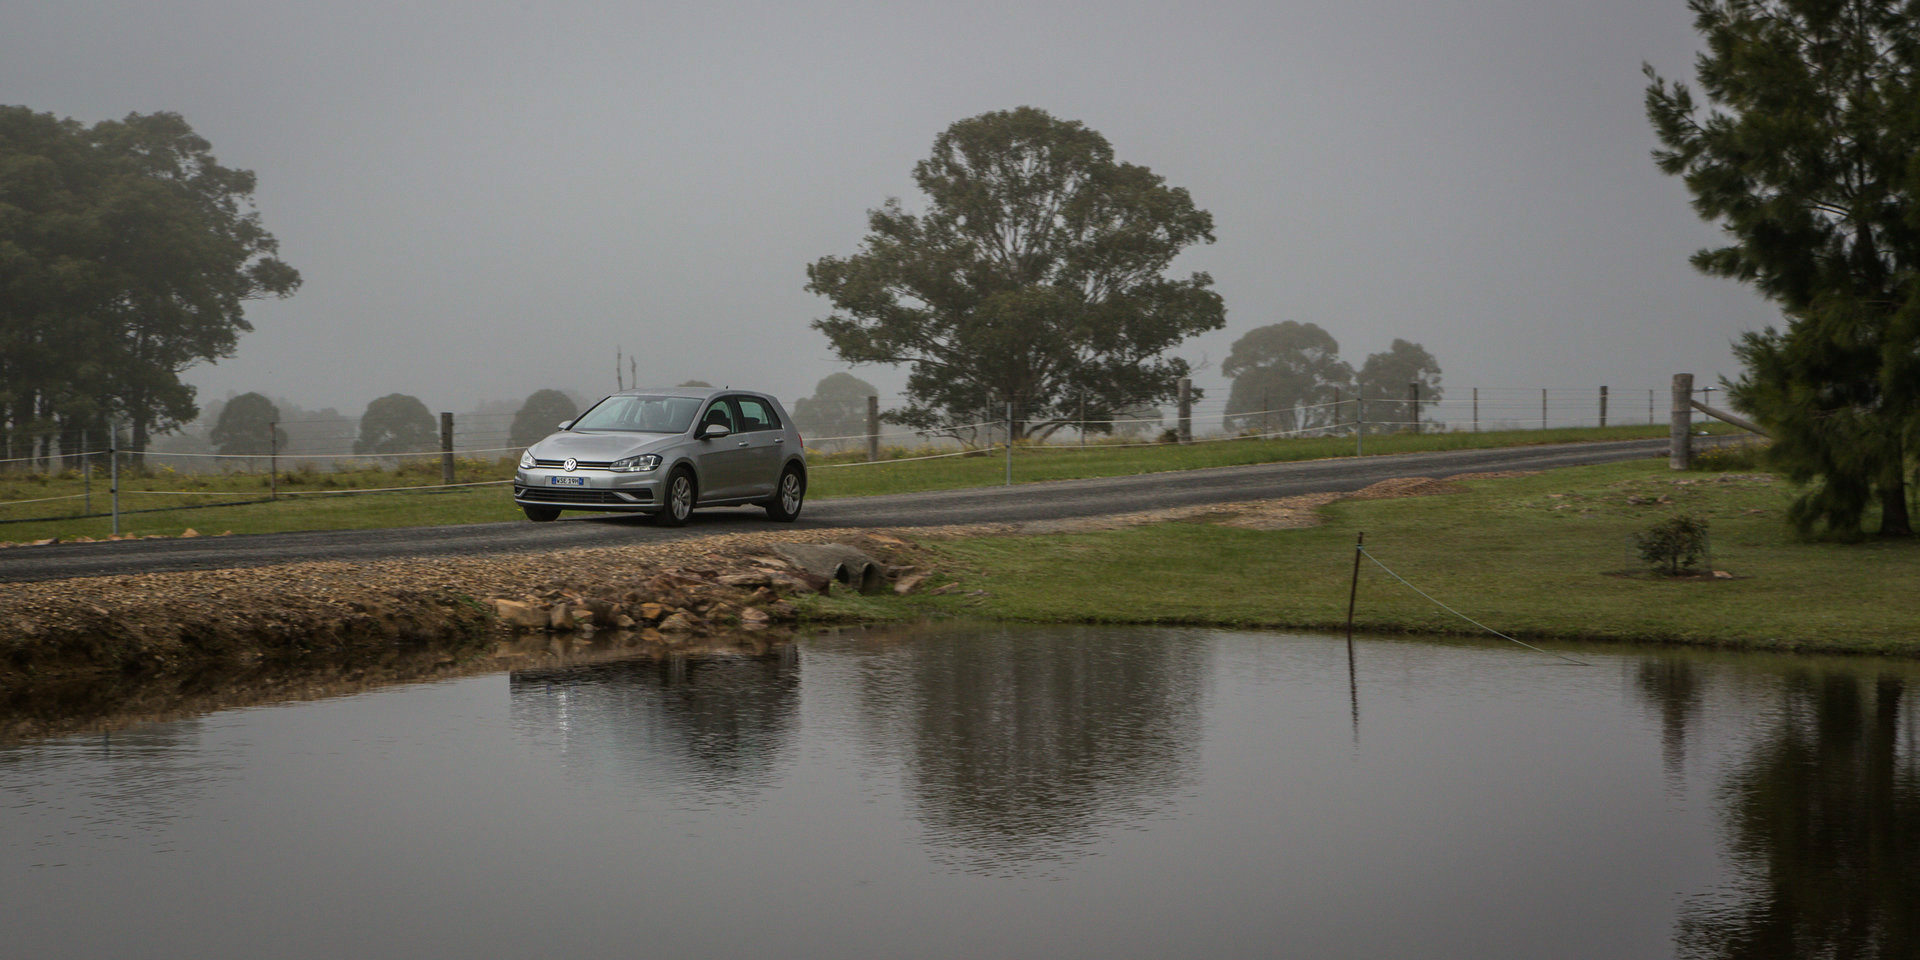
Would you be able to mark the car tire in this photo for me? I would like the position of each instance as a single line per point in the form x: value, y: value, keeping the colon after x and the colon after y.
x: 681, y: 493
x: 788, y: 495
x: 540, y: 514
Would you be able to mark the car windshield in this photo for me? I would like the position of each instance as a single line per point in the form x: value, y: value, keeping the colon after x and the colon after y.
x: 640, y: 415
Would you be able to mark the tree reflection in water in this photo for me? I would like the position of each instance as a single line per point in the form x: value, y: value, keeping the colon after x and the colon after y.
x: 1021, y: 749
x: 1823, y: 824
x: 720, y: 725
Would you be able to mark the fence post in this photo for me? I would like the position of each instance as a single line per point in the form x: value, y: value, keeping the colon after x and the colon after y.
x: 1476, y: 409
x: 1360, y: 425
x: 273, y: 460
x: 1543, y: 408
x: 1009, y: 443
x: 1680, y: 433
x: 873, y: 429
x: 113, y: 472
x: 1603, y: 407
x: 1186, y: 410
x: 446, y: 449
x: 1413, y: 403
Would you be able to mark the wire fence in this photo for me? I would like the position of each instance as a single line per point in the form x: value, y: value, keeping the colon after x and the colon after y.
x: 480, y: 442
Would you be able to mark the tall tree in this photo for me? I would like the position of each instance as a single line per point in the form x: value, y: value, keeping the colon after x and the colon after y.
x: 127, y: 254
x: 1805, y: 155
x: 1285, y: 377
x: 1389, y: 380
x: 838, y: 407
x: 397, y: 423
x: 1037, y: 276
x: 248, y: 427
x: 539, y: 416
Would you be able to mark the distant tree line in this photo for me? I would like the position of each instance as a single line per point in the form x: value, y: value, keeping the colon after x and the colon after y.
x: 1287, y: 376
x: 127, y: 255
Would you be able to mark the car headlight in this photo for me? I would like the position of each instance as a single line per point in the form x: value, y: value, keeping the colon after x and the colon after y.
x: 639, y: 464
x: 526, y: 459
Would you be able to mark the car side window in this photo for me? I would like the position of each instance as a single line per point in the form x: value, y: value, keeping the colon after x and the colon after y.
x: 718, y: 413
x: 756, y: 415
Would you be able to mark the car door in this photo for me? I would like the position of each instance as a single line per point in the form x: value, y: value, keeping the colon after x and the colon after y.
x: 722, y: 461
x: 764, y: 443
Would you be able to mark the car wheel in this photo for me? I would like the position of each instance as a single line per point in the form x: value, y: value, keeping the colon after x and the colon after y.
x: 540, y: 514
x: 680, y: 495
x: 785, y: 505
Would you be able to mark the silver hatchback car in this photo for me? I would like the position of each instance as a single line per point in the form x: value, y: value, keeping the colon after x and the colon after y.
x: 665, y: 452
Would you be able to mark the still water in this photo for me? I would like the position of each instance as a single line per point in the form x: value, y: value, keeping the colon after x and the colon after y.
x: 996, y: 792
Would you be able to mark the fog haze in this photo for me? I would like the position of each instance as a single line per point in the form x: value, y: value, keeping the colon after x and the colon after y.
x: 487, y: 198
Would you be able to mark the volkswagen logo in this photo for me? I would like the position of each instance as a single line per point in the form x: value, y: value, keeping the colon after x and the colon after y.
x: 570, y: 464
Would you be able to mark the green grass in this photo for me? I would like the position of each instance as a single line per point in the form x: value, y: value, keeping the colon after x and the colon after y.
x: 309, y: 500
x: 1545, y: 556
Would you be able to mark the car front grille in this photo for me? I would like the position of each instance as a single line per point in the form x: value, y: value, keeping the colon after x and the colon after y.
x: 578, y: 464
x: 584, y: 497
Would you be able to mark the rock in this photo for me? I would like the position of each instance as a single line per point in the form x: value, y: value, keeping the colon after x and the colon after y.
x: 678, y: 623
x: 754, y: 616
x: 520, y: 616
x: 906, y: 584
x: 189, y: 532
x: 561, y: 617
x: 652, y: 611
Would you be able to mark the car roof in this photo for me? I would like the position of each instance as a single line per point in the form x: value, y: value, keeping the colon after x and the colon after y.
x: 697, y: 393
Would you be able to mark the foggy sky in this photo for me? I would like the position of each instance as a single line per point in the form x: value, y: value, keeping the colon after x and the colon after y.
x: 488, y: 197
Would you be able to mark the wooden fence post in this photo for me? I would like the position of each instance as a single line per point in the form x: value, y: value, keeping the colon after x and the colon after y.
x: 1680, y: 433
x: 873, y: 429
x: 446, y: 449
x: 1186, y: 410
x: 1603, y: 407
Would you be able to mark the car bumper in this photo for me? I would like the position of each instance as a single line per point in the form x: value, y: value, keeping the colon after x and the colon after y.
x: 589, y: 490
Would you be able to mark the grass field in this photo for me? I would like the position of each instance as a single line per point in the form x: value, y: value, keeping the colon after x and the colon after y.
x: 1544, y: 556
x: 37, y: 507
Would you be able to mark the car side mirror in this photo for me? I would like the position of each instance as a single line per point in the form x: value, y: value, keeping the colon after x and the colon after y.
x: 714, y: 431
x: 565, y: 424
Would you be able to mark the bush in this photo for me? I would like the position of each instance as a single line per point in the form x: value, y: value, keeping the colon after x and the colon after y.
x: 1675, y: 545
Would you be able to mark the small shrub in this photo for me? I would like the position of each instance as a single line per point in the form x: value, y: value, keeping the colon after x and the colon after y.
x: 1675, y: 545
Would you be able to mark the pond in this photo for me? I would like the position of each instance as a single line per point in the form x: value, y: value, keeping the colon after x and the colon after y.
x: 975, y: 792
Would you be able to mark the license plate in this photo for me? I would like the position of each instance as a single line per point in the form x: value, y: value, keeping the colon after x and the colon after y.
x: 567, y: 481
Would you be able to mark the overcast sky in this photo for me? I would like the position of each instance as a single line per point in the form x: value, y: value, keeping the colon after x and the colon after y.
x: 488, y: 197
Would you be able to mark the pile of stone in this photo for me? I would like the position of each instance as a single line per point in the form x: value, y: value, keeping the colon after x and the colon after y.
x: 748, y: 593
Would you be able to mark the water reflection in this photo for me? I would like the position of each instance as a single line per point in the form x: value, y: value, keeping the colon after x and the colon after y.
x: 1823, y: 827
x: 1023, y: 748
x: 717, y: 725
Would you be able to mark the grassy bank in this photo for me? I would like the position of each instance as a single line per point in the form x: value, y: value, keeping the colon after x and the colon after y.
x: 1543, y: 556
x: 41, y: 506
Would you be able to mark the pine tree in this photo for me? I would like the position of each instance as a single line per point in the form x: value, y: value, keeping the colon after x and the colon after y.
x: 1807, y: 156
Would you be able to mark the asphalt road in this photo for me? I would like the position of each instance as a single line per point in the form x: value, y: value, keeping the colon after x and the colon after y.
x: 1022, y: 502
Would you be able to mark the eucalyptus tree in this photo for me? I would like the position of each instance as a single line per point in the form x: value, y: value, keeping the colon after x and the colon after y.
x: 397, y: 423
x: 1286, y: 376
x: 1389, y: 379
x: 541, y: 414
x: 1804, y: 154
x: 1038, y: 276
x: 128, y: 254
x: 838, y: 407
x: 249, y: 427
